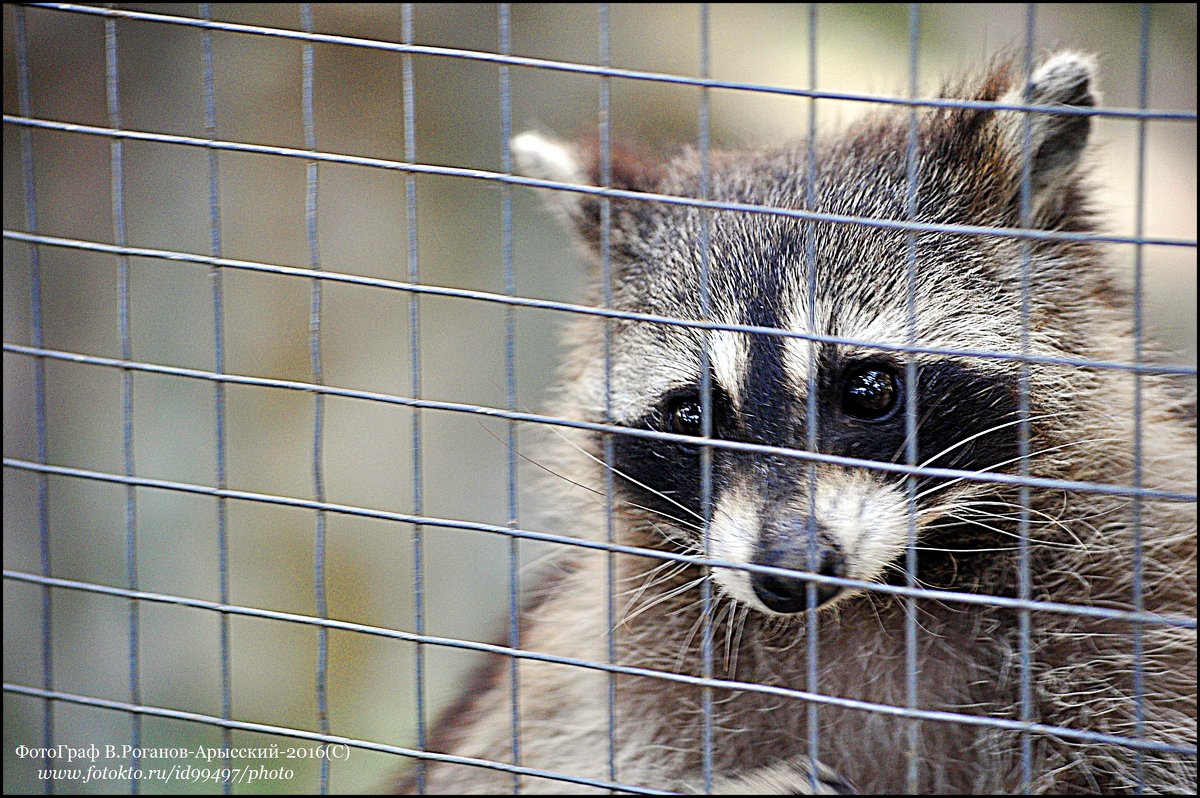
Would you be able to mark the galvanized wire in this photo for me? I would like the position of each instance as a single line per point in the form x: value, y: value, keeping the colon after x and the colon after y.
x: 476, y: 526
x: 414, y: 344
x: 218, y: 299
x: 323, y: 739
x: 1024, y: 586
x: 510, y: 382
x: 568, y: 307
x: 25, y: 104
x: 912, y: 752
x: 505, y: 179
x: 120, y: 236
x: 318, y: 372
x: 467, y: 645
x: 462, y: 407
x: 1135, y: 510
x: 641, y: 196
x: 811, y: 619
x: 604, y: 178
x: 703, y: 144
x: 590, y: 69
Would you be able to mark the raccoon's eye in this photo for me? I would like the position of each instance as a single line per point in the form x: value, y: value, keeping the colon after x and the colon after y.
x: 681, y: 412
x: 870, y: 391
x: 684, y: 416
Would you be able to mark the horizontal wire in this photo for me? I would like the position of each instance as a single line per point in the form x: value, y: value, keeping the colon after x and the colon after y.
x: 612, y: 72
x: 587, y: 310
x: 752, y: 687
x: 671, y: 437
x: 353, y: 742
x: 579, y: 188
x: 478, y: 526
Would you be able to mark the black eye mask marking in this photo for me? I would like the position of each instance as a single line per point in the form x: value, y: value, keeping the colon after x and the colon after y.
x: 864, y: 414
x: 861, y: 414
x: 670, y: 471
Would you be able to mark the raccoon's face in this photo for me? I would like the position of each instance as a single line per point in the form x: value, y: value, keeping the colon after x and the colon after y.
x: 784, y: 511
x: 844, y: 281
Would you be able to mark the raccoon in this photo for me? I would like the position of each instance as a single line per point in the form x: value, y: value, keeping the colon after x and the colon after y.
x: 836, y: 524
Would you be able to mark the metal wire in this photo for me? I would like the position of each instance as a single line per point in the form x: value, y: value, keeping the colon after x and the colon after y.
x: 589, y: 69
x: 112, y: 86
x: 752, y: 687
x: 318, y: 435
x: 665, y: 199
x: 567, y: 307
x: 811, y: 620
x: 414, y: 343
x: 366, y: 512
x: 1135, y: 510
x: 39, y: 391
x: 323, y: 739
x: 1024, y: 587
x: 127, y: 365
x: 912, y: 775
x: 510, y: 348
x: 218, y: 298
x: 706, y: 412
x: 461, y: 407
x: 604, y: 110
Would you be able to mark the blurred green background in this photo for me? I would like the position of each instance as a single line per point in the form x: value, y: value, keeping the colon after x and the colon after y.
x: 368, y: 457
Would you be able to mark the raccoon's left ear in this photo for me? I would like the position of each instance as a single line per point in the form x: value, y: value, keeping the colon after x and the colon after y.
x: 1054, y: 143
x: 543, y: 157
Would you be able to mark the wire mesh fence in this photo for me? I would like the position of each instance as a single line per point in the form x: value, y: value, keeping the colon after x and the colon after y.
x: 280, y: 318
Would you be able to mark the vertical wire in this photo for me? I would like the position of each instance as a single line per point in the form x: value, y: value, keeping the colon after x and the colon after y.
x: 314, y: 329
x: 1023, y: 444
x: 39, y: 394
x: 605, y: 152
x: 514, y: 605
x: 112, y: 80
x: 811, y: 621
x: 215, y: 272
x: 912, y: 773
x: 1138, y: 322
x: 414, y: 332
x: 706, y: 454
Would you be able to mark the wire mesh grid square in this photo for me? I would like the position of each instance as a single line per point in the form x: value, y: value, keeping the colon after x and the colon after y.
x: 278, y: 312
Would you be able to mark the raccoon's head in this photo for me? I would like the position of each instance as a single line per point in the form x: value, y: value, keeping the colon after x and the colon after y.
x: 847, y: 281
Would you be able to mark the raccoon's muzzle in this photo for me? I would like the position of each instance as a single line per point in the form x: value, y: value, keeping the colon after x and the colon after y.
x: 791, y: 548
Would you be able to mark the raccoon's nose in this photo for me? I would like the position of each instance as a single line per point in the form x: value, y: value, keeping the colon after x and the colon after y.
x: 789, y: 593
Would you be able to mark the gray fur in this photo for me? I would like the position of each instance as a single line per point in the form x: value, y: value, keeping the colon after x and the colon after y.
x: 968, y: 297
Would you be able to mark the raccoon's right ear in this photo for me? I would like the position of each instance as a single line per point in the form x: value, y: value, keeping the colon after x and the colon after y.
x: 1054, y: 143
x: 543, y: 157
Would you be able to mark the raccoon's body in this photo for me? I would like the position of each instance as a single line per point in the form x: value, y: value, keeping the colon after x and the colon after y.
x: 842, y: 520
